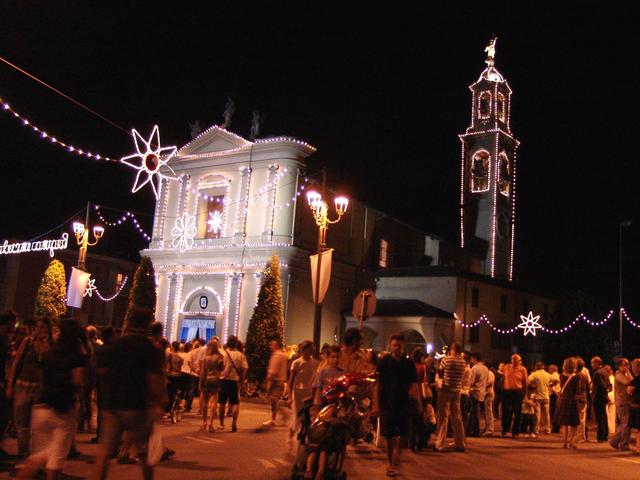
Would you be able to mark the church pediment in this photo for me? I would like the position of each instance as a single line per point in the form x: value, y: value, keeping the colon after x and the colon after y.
x: 214, y: 139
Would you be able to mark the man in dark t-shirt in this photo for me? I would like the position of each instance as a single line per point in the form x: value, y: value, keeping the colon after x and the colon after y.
x: 600, y: 388
x: 397, y: 385
x: 134, y: 390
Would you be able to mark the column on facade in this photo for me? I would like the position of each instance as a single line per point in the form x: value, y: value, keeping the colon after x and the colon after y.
x: 173, y: 306
x: 249, y: 298
x: 285, y: 206
x: 160, y: 214
x: 255, y: 215
x: 242, y: 206
x: 162, y: 296
x: 183, y: 199
x: 235, y: 296
x: 270, y: 202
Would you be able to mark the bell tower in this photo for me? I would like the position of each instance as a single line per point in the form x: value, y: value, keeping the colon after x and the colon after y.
x: 488, y: 174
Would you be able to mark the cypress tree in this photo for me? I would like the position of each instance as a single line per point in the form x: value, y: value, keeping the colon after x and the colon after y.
x: 52, y: 292
x: 267, y: 322
x: 143, y: 291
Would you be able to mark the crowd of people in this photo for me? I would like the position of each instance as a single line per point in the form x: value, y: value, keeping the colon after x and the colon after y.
x: 54, y: 377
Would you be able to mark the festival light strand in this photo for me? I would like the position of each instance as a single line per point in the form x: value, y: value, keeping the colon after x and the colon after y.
x: 580, y: 318
x: 628, y: 318
x: 112, y: 297
x: 51, y: 138
x: 125, y: 216
x: 64, y: 95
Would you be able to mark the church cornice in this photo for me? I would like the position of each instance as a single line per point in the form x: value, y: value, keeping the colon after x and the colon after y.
x: 485, y: 132
x: 236, y: 145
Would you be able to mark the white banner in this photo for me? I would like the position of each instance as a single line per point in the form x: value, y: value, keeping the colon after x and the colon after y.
x: 325, y: 273
x: 7, y: 248
x: 77, y: 285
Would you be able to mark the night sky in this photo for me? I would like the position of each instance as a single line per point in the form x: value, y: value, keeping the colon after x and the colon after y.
x: 382, y: 93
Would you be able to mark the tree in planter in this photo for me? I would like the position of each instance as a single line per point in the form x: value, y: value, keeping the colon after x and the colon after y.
x: 52, y: 292
x: 267, y: 322
x: 143, y: 291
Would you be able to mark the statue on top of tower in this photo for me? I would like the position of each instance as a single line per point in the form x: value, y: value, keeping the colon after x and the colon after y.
x: 491, y: 51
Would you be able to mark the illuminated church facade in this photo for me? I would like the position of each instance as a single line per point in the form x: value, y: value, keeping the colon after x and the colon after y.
x: 237, y: 202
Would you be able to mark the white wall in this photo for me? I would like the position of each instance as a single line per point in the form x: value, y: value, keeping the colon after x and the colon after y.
x: 437, y: 291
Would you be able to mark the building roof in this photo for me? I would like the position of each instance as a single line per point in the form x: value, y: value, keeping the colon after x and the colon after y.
x: 445, y: 271
x: 409, y: 308
x: 491, y: 74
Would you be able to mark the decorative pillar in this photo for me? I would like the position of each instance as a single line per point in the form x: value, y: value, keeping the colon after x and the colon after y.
x: 270, y: 200
x: 169, y: 308
x: 234, y: 307
x: 160, y: 213
x: 239, y: 233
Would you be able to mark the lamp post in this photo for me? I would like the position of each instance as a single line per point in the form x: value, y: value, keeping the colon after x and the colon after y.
x: 320, y: 211
x: 626, y: 223
x: 82, y: 238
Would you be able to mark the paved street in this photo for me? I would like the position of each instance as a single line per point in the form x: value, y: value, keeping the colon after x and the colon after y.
x: 255, y: 453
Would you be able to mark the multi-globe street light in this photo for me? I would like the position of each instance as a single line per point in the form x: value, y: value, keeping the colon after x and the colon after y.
x: 320, y: 211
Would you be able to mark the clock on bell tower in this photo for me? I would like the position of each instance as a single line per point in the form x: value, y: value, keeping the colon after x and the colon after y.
x: 488, y: 173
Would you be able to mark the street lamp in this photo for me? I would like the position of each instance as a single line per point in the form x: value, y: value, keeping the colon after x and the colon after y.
x: 320, y: 211
x: 82, y: 238
x: 626, y: 223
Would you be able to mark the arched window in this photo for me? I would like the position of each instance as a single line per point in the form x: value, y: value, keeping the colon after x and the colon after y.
x: 480, y: 169
x: 211, y: 211
x: 484, y: 105
x: 504, y: 174
x: 501, y: 110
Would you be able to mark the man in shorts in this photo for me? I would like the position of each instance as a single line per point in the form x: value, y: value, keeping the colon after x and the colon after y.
x: 275, y: 380
x: 397, y: 386
x: 135, y: 391
x: 235, y: 368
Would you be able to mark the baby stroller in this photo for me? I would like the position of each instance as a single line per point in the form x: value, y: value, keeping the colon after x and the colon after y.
x: 344, y: 419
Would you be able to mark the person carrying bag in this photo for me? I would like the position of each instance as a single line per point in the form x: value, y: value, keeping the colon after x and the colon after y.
x: 235, y: 367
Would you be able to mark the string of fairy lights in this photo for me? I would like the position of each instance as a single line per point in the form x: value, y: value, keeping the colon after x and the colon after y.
x: 263, y: 193
x: 530, y: 324
x: 48, y: 137
x: 125, y: 216
x: 115, y: 294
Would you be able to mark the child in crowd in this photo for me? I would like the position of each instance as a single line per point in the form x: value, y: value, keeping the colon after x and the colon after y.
x: 303, y: 370
x: 323, y: 378
x: 429, y: 420
x: 529, y: 413
x: 327, y: 375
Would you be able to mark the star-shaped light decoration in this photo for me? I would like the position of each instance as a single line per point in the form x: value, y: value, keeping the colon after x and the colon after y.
x: 90, y: 288
x: 150, y: 154
x: 530, y: 324
x: 184, y: 232
x: 215, y: 222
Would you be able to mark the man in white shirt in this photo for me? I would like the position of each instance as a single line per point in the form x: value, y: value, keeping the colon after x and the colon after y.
x: 542, y: 380
x: 488, y: 404
x: 477, y: 391
x: 303, y: 371
x: 235, y: 369
x: 189, y: 376
x: 275, y: 380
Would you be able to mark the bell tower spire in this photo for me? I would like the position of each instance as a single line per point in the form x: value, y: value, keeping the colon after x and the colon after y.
x: 488, y: 173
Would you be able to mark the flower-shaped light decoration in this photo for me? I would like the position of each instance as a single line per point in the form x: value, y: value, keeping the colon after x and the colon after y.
x: 183, y: 232
x: 530, y: 324
x: 90, y: 288
x: 215, y: 222
x: 150, y: 153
